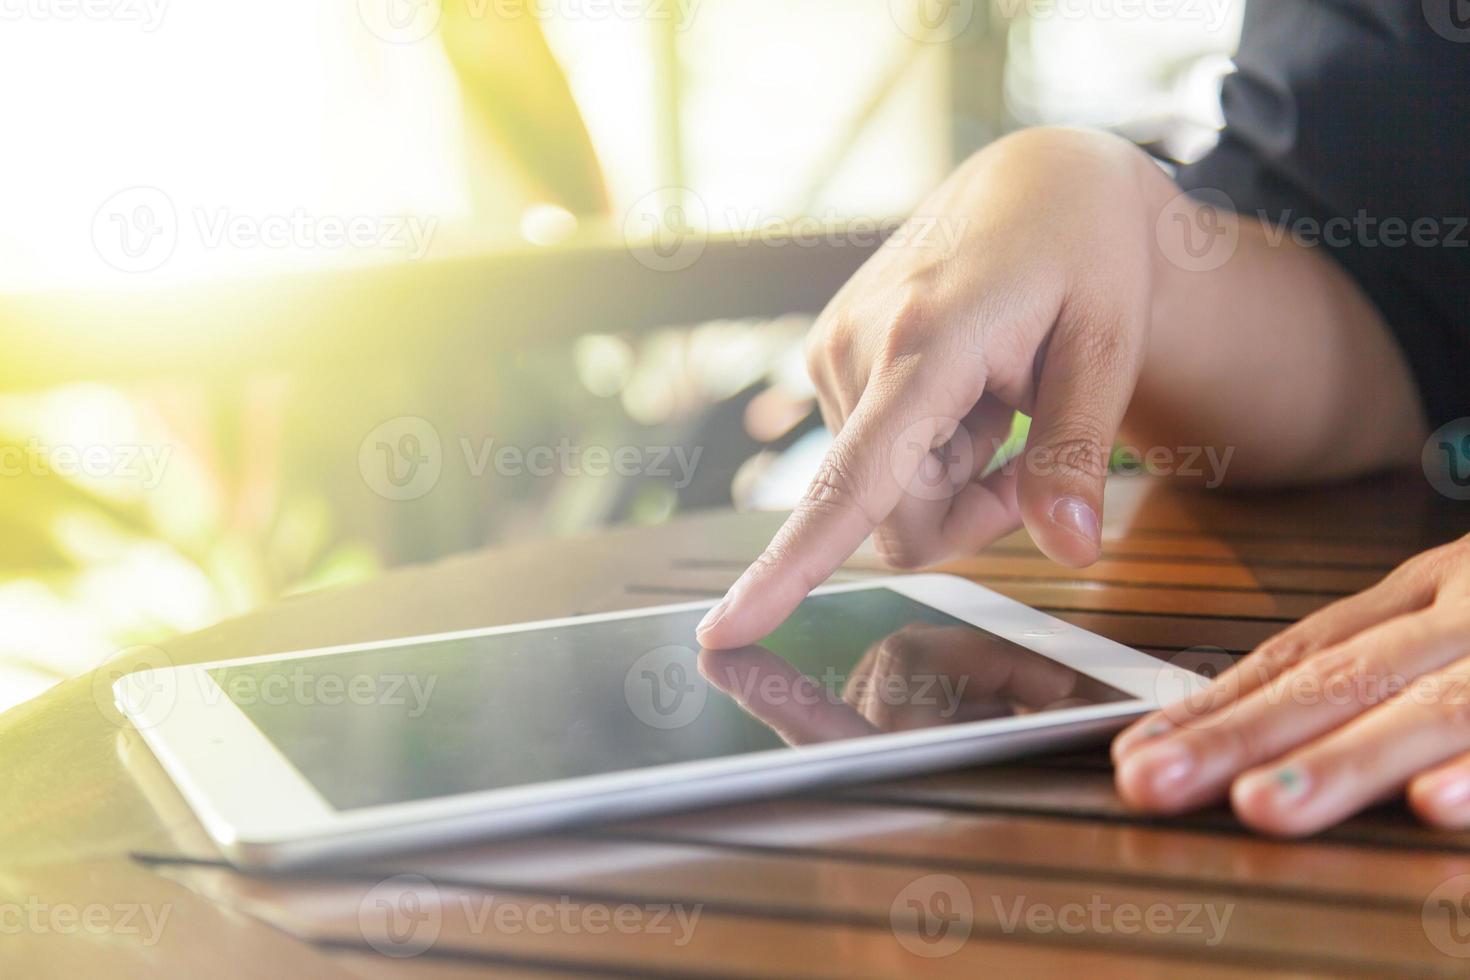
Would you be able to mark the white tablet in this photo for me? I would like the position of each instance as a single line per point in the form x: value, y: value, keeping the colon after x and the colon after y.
x: 350, y: 751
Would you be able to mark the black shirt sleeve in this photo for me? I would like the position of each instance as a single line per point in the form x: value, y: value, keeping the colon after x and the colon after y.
x: 1347, y: 124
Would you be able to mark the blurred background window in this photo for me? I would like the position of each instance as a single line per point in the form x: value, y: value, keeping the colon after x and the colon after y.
x: 159, y: 145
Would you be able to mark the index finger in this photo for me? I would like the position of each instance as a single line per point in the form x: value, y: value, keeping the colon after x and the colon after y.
x: 875, y: 456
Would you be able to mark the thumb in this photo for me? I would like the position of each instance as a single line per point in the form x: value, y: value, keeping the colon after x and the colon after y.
x: 1087, y: 378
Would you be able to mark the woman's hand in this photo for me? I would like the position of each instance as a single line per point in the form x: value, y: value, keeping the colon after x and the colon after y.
x: 1352, y: 705
x: 1023, y: 283
x: 1063, y: 274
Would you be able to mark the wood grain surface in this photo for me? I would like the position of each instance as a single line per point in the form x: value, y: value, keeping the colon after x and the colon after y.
x: 1032, y: 868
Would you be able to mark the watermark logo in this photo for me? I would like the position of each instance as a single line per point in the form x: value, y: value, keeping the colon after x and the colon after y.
x: 1190, y: 703
x: 402, y: 458
x: 139, y: 229
x: 942, y: 472
x: 664, y: 689
x: 1197, y: 230
x: 1213, y: 15
x: 932, y: 21
x: 566, y: 458
x: 295, y: 684
x: 142, y: 923
x: 410, y: 21
x: 401, y: 916
x: 147, y: 14
x: 399, y: 21
x: 933, y: 916
x: 134, y: 682
x: 1365, y: 230
x: 665, y: 229
x: 1100, y: 917
x: 136, y: 229
x: 141, y: 464
x: 1450, y: 19
x: 1446, y: 917
x: 1446, y: 459
x: 939, y: 473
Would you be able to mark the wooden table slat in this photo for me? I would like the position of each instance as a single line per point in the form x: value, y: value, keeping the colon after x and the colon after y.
x: 797, y: 887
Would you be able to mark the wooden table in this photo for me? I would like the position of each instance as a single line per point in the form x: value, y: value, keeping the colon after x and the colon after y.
x: 1027, y: 868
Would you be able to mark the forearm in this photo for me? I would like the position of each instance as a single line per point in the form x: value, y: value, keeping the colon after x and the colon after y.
x: 1275, y: 355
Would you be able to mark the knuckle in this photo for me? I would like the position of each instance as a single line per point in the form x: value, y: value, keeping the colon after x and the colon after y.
x: 903, y: 552
x: 814, y: 352
x: 898, y: 653
x: 1281, y: 651
x: 1080, y: 452
x: 832, y: 347
x: 907, y: 335
x: 1428, y: 566
x: 780, y: 556
x: 1232, y: 740
x: 1352, y: 673
x: 1452, y: 707
x: 1101, y: 336
x: 837, y: 488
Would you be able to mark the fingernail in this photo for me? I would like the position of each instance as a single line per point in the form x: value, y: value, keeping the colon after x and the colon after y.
x: 1279, y: 785
x: 715, y: 614
x: 1152, y: 730
x: 1169, y: 766
x: 1074, y: 514
x: 1451, y: 792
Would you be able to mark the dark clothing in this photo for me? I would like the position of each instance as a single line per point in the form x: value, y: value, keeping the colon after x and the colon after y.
x: 1348, y: 123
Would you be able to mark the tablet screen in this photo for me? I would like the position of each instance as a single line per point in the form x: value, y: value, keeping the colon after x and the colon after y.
x: 478, y: 713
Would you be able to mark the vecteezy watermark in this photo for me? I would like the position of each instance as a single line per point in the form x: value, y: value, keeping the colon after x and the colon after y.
x: 944, y: 693
x: 1446, y: 459
x: 401, y: 916
x: 1366, y: 230
x: 667, y: 230
x: 1450, y: 19
x: 146, y: 14
x: 142, y: 922
x: 1197, y: 230
x: 932, y: 21
x: 135, y: 687
x: 135, y: 463
x: 1445, y: 917
x: 569, y: 459
x: 1191, y: 703
x: 410, y: 21
x: 1100, y: 916
x: 664, y: 689
x: 1213, y: 15
x: 1205, y: 463
x: 403, y: 459
x: 138, y: 687
x: 668, y: 687
x: 940, y: 472
x: 1323, y: 679
x: 138, y: 230
x: 297, y: 684
x: 933, y: 916
x: 405, y: 916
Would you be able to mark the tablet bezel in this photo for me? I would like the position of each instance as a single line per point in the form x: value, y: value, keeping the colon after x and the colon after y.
x: 276, y: 818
